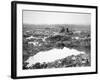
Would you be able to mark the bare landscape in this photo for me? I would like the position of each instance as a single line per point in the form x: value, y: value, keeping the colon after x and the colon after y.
x: 56, y: 46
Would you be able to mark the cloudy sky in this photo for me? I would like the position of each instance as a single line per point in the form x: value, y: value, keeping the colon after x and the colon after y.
x: 40, y: 17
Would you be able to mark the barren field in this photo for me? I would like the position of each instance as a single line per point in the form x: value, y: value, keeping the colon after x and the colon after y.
x: 56, y: 46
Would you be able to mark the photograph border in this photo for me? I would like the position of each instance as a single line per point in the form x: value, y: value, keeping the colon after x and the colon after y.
x: 14, y: 38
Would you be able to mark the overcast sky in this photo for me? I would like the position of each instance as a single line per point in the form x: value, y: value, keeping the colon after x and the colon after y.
x: 38, y: 17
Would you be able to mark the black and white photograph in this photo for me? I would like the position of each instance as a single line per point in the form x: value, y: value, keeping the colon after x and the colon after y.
x: 53, y: 39
x: 56, y: 39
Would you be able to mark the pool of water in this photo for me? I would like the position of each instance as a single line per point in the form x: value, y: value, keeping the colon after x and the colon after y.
x: 52, y: 55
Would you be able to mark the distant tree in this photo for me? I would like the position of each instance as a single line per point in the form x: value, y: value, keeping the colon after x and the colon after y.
x: 67, y: 30
x: 62, y: 30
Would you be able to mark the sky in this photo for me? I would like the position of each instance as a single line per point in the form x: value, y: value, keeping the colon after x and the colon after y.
x: 43, y: 17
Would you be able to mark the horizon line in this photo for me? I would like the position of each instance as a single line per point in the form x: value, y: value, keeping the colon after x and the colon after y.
x: 53, y: 24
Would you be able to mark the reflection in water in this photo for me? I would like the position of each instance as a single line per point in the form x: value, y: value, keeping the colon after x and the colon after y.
x: 52, y: 55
